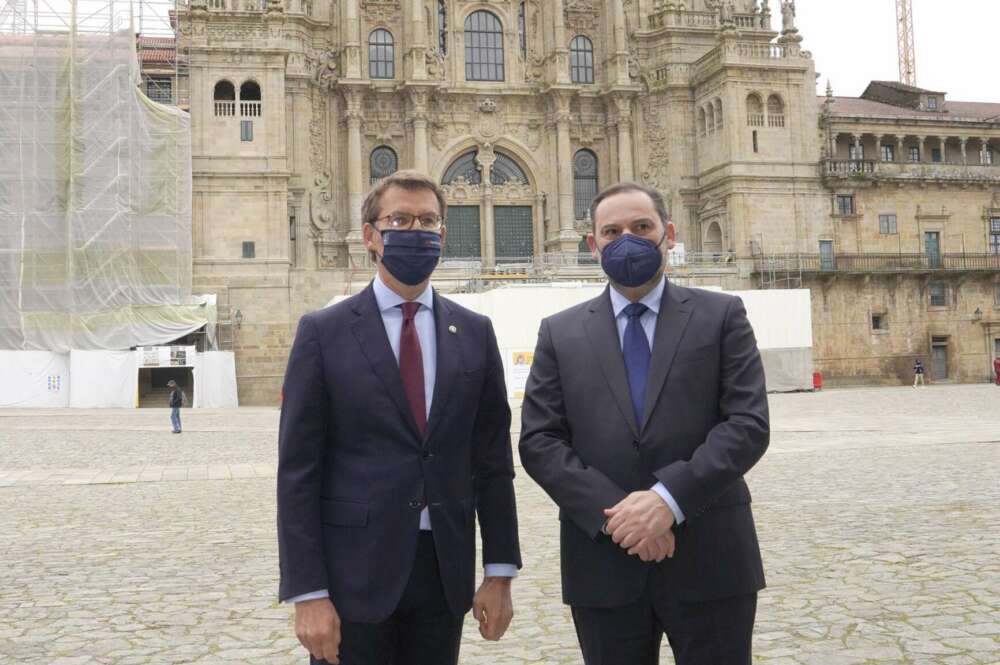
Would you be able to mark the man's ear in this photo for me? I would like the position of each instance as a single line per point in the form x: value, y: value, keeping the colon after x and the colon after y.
x: 671, y: 235
x: 592, y: 244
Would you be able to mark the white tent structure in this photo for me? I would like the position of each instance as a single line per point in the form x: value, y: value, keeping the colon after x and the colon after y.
x: 95, y: 207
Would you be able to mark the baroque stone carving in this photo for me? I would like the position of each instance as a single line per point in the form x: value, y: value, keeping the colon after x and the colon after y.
x: 317, y: 134
x: 327, y: 69
x: 461, y: 190
x: 382, y: 11
x: 321, y: 202
x: 435, y: 64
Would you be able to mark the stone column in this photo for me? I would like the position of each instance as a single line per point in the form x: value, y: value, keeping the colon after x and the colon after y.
x: 878, y: 147
x: 486, y: 158
x: 856, y: 142
x: 352, y: 45
x: 621, y: 44
x: 625, y: 170
x: 984, y: 150
x: 564, y: 165
x: 538, y: 223
x: 418, y: 41
x: 418, y: 104
x: 355, y: 170
x: 900, y: 140
x: 964, y: 143
x: 561, y: 44
x: 920, y: 143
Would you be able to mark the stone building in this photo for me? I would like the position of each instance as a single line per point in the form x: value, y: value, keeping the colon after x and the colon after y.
x: 523, y: 110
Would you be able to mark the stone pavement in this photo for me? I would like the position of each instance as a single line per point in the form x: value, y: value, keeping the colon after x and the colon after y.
x: 122, y: 543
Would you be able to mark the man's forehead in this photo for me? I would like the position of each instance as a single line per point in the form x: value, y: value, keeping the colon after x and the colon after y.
x: 626, y: 207
x: 422, y: 198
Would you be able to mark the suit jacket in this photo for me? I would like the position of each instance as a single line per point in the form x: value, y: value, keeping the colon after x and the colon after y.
x: 706, y: 424
x: 353, y: 469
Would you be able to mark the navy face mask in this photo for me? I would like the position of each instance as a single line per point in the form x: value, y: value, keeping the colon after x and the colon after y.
x: 630, y: 260
x: 410, y: 256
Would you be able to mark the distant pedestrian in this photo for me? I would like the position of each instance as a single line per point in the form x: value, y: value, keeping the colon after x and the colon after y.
x: 177, y: 399
x: 918, y: 373
x: 996, y: 369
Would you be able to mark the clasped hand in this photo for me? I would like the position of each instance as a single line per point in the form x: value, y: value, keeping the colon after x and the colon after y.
x: 640, y: 523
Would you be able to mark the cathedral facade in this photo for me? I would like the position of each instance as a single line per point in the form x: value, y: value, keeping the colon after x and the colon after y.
x: 524, y: 109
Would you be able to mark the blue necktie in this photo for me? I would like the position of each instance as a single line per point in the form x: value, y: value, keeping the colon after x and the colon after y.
x: 635, y: 347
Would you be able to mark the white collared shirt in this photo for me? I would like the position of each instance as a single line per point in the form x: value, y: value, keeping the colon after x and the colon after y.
x: 648, y: 319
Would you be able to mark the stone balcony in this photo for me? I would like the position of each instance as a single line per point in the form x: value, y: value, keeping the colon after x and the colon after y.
x: 836, y: 170
x: 876, y: 263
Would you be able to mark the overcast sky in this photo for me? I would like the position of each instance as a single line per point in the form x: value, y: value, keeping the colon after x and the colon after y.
x: 854, y: 42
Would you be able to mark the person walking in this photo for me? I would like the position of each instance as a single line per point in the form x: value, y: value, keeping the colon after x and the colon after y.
x: 918, y: 373
x: 176, y: 402
x: 996, y: 369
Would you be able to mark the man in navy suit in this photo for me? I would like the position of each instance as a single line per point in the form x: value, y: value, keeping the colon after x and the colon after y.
x: 394, y: 434
x: 643, y: 410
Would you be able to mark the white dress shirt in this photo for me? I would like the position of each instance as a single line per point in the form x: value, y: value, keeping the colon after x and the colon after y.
x: 389, y: 302
x: 648, y: 321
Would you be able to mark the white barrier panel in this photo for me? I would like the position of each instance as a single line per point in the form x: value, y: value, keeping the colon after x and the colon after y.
x: 103, y: 379
x: 781, y: 318
x: 34, y: 379
x: 215, y: 380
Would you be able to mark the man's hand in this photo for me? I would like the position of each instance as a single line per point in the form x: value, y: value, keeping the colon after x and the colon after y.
x: 317, y: 625
x: 493, y: 607
x: 639, y: 516
x: 655, y: 549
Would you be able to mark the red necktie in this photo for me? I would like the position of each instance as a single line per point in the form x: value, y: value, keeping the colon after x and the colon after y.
x: 411, y: 366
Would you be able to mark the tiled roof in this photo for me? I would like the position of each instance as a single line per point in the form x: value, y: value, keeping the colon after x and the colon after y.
x: 153, y: 50
x: 968, y: 111
x: 902, y: 87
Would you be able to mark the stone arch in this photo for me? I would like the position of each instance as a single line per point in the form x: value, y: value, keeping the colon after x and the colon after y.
x: 755, y: 110
x: 712, y: 240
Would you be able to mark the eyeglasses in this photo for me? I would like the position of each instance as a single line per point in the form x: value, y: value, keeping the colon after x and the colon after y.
x: 403, y: 221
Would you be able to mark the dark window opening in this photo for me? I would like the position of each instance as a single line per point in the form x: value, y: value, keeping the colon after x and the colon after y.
x: 879, y: 322
x: 249, y: 249
x: 939, y: 294
x: 442, y: 28
x: 581, y: 60
x: 584, y: 182
x: 845, y: 204
x: 483, y: 47
x: 887, y: 224
x: 381, y: 55
x: 383, y: 163
x: 755, y: 146
x: 246, y: 131
x: 888, y: 153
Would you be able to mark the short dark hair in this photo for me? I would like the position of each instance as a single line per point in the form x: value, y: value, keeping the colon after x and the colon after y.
x: 624, y: 187
x: 409, y: 180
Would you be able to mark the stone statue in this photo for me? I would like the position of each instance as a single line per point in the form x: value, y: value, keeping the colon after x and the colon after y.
x: 726, y: 12
x: 765, y: 15
x: 435, y: 64
x: 788, y: 16
x: 326, y: 69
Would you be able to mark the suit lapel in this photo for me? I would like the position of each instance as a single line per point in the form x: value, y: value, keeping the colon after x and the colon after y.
x: 675, y: 312
x: 606, y: 348
x: 370, y: 333
x: 449, y: 359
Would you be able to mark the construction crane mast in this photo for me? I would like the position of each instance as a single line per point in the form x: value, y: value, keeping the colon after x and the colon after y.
x: 907, y: 50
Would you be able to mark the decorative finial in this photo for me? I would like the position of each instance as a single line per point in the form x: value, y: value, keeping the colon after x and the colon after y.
x: 829, y: 88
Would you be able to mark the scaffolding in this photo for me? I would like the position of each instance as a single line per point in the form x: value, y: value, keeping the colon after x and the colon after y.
x: 95, y: 186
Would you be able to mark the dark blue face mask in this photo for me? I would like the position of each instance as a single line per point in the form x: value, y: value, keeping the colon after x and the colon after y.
x: 632, y: 261
x: 410, y: 256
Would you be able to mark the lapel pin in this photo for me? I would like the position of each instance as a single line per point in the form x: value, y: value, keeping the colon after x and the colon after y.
x: 452, y: 329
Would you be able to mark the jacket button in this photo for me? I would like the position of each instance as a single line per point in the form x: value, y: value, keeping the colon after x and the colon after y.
x: 415, y: 504
x: 428, y: 456
x: 635, y: 444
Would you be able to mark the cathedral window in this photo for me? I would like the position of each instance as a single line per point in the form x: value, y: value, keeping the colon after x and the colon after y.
x: 755, y: 111
x: 224, y: 97
x: 581, y: 60
x: 584, y: 181
x: 381, y: 55
x: 483, y: 47
x: 775, y: 111
x: 521, y: 32
x: 383, y: 163
x: 250, y: 104
x: 442, y: 27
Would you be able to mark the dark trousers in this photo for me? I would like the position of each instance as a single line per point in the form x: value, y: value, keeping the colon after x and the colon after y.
x: 422, y: 630
x: 717, y: 632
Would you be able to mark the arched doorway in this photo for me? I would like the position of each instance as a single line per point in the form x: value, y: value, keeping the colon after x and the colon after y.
x: 712, y: 243
x: 494, y: 215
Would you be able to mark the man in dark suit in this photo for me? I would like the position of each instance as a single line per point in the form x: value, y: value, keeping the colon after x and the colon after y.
x: 643, y: 410
x: 395, y: 432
